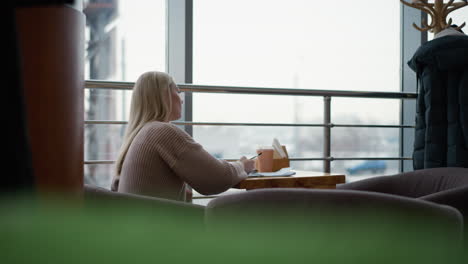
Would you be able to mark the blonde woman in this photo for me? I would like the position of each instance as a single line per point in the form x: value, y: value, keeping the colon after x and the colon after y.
x: 159, y: 159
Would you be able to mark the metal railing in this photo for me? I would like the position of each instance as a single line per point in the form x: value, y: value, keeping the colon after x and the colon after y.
x: 327, y: 124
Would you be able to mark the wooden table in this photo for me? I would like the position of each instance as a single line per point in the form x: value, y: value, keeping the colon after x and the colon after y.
x: 302, y: 179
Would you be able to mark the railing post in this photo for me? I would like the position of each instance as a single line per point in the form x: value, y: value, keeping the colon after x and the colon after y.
x: 327, y: 133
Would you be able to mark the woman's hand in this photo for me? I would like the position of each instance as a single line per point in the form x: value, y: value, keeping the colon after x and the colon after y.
x: 249, y: 165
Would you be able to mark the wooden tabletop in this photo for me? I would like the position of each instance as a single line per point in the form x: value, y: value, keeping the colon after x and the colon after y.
x: 302, y: 179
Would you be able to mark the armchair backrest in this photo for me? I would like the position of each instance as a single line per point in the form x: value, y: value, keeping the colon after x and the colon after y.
x: 346, y: 209
x: 97, y: 196
x: 413, y: 184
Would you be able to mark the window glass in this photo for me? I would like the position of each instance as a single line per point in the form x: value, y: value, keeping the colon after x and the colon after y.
x: 103, y: 141
x: 230, y: 142
x: 365, y: 142
x: 297, y: 44
x: 124, y: 38
x: 365, y: 111
x: 257, y: 108
x: 107, y: 104
x: 356, y: 170
x: 99, y: 175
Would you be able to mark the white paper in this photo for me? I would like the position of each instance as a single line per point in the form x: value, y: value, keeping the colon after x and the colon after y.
x: 281, y: 173
x: 277, y: 146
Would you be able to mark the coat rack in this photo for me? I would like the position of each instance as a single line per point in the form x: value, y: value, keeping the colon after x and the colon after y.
x: 438, y: 12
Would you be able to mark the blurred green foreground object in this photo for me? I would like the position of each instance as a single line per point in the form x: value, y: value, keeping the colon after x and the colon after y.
x: 56, y: 232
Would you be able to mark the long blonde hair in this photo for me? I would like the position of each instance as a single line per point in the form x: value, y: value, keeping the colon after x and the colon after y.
x: 151, y: 101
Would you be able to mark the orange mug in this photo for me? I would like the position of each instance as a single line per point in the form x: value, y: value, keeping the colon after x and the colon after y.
x: 264, y: 162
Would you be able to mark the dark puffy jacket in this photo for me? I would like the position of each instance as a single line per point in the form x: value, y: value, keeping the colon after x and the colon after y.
x: 441, y: 138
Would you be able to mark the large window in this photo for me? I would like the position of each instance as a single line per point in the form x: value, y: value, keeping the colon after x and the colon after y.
x: 299, y: 44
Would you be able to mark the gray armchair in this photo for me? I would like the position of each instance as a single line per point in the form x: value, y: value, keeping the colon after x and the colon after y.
x: 448, y: 186
x: 100, y: 197
x: 356, y: 211
x: 443, y: 185
x: 415, y: 184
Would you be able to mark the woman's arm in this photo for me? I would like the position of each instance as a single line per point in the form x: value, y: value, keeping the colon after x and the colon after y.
x: 206, y: 174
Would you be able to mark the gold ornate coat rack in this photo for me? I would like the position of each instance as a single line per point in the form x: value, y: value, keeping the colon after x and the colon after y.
x: 438, y: 12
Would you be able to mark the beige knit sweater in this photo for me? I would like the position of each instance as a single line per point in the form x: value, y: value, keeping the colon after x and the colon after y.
x: 162, y: 158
